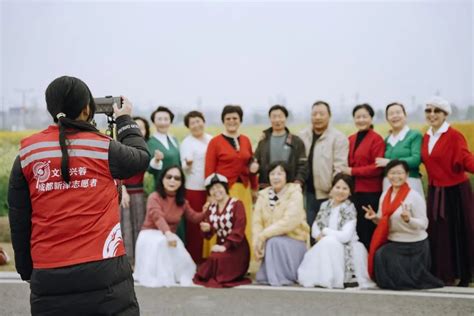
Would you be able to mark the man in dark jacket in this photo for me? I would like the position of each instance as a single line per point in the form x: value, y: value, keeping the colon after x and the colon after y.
x: 278, y: 144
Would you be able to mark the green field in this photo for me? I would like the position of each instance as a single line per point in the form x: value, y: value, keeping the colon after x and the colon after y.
x: 9, y: 144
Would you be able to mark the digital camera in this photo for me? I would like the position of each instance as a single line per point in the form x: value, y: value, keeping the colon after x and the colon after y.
x: 105, y: 105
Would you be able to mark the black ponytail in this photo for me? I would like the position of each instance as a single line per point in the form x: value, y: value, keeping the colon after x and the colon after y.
x: 66, y: 98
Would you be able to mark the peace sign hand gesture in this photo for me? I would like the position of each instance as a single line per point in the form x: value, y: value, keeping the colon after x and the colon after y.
x: 405, y: 214
x: 369, y: 212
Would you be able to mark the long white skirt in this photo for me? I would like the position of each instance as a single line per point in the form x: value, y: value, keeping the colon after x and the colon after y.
x: 323, y: 265
x: 157, y: 264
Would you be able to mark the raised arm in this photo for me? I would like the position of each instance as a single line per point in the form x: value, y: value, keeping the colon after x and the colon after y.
x: 129, y: 155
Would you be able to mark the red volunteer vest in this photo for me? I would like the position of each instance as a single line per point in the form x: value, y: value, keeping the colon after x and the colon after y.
x: 73, y: 222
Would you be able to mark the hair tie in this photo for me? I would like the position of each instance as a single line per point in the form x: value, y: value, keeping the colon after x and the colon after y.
x: 60, y: 114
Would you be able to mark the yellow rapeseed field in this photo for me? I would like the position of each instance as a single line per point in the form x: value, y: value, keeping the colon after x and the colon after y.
x: 9, y: 144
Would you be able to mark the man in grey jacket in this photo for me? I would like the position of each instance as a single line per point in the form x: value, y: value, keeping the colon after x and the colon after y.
x: 278, y: 144
x: 327, y: 151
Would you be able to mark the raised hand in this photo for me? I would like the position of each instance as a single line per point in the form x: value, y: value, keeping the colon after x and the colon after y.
x: 159, y: 155
x: 405, y: 214
x: 126, y: 108
x: 369, y: 212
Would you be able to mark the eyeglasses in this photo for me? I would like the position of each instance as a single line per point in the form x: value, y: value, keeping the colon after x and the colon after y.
x: 435, y: 110
x: 169, y: 177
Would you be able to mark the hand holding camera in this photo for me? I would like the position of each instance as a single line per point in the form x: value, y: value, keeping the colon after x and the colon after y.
x: 125, y: 108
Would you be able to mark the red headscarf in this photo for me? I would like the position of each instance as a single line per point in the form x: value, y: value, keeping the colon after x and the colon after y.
x: 380, y: 236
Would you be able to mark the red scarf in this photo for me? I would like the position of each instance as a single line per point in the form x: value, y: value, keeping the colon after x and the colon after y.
x: 380, y: 236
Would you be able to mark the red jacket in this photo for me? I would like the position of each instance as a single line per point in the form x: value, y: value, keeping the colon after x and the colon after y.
x: 368, y: 178
x: 449, y: 160
x: 73, y: 222
x: 222, y: 158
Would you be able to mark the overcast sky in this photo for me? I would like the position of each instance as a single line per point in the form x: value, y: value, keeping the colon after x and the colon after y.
x: 255, y: 54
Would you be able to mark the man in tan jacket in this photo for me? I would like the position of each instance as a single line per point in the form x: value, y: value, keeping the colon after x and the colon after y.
x: 327, y: 150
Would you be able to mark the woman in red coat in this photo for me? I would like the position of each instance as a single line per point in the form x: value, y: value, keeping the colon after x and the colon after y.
x: 364, y: 147
x: 230, y: 256
x: 447, y: 158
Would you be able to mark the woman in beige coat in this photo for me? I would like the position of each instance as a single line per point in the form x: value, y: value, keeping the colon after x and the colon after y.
x: 280, y: 231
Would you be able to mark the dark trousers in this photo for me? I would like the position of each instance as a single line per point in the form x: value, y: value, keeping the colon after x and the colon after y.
x: 365, y: 228
x: 103, y: 287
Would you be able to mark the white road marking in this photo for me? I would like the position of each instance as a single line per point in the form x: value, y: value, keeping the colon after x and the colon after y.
x: 446, y: 292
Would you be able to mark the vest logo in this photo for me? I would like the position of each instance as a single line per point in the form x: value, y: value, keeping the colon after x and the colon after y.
x: 112, y: 242
x: 41, y: 172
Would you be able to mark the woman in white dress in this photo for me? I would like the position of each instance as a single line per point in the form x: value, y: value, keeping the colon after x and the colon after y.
x: 161, y: 259
x: 337, y: 257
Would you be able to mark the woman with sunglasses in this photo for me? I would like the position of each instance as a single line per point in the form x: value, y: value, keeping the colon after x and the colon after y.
x: 446, y: 156
x: 161, y: 258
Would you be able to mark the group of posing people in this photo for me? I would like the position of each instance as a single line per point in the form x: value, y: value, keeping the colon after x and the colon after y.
x: 358, y: 202
x: 361, y: 196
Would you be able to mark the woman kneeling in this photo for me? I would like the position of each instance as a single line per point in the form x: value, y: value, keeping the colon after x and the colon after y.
x: 161, y: 259
x: 399, y: 255
x: 338, y: 256
x: 280, y: 231
x: 230, y: 256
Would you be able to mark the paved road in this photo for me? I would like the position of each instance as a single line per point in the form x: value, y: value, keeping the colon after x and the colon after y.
x: 262, y: 300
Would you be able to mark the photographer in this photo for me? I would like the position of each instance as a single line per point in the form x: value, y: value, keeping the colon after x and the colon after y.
x: 64, y: 203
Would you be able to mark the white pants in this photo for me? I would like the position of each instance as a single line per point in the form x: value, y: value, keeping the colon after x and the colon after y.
x: 157, y: 264
x: 323, y: 265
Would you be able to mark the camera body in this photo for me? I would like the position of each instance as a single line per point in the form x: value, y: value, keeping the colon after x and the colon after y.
x: 105, y: 105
